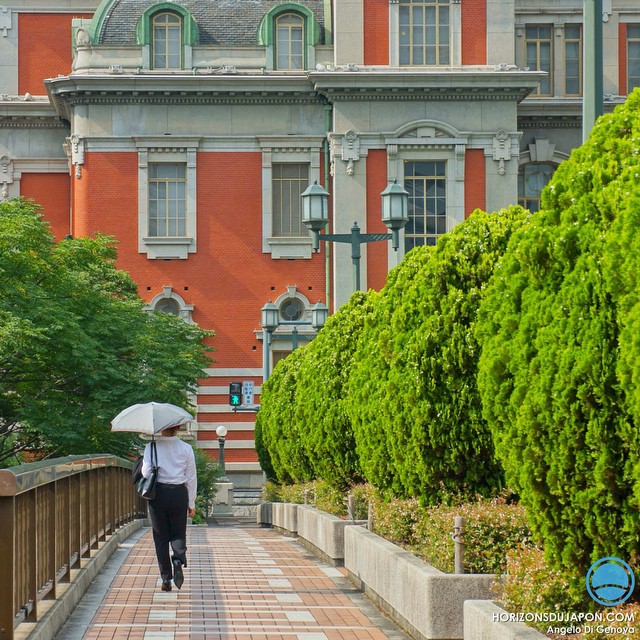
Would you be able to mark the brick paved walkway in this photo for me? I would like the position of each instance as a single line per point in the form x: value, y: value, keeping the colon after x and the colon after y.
x: 242, y: 583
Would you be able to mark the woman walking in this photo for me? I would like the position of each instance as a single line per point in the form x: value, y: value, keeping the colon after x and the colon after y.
x: 175, y: 500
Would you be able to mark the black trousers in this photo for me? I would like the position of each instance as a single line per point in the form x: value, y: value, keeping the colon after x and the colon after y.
x: 168, y: 512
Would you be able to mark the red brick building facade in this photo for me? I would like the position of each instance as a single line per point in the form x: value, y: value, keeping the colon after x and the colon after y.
x: 188, y: 130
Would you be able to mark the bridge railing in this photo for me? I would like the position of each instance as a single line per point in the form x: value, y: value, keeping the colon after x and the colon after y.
x: 52, y: 515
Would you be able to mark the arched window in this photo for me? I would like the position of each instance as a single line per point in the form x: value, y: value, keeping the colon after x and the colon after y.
x: 170, y: 302
x: 532, y: 179
x: 167, y: 41
x: 289, y: 28
x: 290, y: 32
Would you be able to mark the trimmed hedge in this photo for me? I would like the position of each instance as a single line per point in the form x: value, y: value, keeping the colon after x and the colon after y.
x: 302, y: 429
x: 413, y: 400
x: 560, y: 355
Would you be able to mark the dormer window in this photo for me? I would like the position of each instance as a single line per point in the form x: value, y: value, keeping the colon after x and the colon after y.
x: 167, y: 41
x: 289, y: 29
x: 167, y: 33
x: 290, y: 33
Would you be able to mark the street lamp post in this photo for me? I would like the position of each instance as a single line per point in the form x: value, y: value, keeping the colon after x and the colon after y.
x: 270, y: 321
x: 222, y: 432
x: 315, y: 215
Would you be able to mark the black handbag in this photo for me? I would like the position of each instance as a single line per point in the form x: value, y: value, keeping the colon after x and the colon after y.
x: 146, y: 487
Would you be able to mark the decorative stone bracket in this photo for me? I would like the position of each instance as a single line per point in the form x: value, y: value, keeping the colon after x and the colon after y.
x: 501, y: 150
x: 5, y: 21
x: 350, y: 151
x: 77, y: 154
x: 6, y: 176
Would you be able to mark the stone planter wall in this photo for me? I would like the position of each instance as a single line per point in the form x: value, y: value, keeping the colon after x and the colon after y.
x: 484, y: 620
x: 428, y: 603
x: 425, y: 601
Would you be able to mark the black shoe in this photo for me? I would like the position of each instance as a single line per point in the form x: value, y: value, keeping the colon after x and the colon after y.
x: 166, y: 585
x: 178, y: 576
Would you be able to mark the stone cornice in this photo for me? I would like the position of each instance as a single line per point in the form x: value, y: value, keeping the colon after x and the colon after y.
x: 69, y: 91
x: 379, y: 84
x: 465, y: 83
x: 39, y: 114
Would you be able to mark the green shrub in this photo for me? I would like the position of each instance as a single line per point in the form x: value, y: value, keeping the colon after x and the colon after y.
x: 302, y: 428
x: 321, y: 402
x: 277, y: 432
x: 318, y: 493
x: 491, y: 528
x: 208, y: 472
x: 396, y: 520
x: 555, y: 394
x: 413, y: 400
x: 531, y: 585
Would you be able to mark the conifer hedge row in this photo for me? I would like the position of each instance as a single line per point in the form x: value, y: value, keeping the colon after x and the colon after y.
x: 559, y: 368
x: 508, y: 353
x: 387, y: 392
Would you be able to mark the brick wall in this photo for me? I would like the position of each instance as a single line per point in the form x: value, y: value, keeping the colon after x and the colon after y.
x: 376, y: 32
x: 44, y: 49
x: 51, y: 191
x: 622, y: 59
x: 474, y: 32
x: 474, y: 181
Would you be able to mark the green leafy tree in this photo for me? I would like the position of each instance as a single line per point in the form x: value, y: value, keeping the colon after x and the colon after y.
x: 76, y: 346
x: 557, y: 377
x: 208, y: 472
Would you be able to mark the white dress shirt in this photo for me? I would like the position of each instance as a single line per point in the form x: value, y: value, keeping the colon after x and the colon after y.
x: 176, y: 464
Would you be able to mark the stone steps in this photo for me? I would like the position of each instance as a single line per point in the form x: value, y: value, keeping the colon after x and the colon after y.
x: 245, y: 501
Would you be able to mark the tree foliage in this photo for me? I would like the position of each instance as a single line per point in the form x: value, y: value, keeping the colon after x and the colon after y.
x: 414, y: 403
x: 558, y: 367
x: 278, y: 441
x: 387, y: 390
x: 302, y: 430
x: 76, y: 346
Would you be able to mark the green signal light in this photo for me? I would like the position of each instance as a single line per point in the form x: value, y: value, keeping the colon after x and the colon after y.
x: 235, y: 394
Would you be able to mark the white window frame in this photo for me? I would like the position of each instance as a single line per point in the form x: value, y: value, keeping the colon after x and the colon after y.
x: 429, y: 147
x: 280, y: 152
x: 455, y: 35
x: 163, y: 248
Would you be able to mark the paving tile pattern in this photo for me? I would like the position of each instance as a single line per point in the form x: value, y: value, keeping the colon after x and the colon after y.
x: 242, y: 583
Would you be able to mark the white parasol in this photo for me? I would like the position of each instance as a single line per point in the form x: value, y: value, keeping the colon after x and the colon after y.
x: 150, y: 417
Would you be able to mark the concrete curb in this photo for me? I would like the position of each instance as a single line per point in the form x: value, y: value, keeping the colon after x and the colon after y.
x: 420, y: 598
x: 426, y: 602
x: 482, y: 622
x: 53, y: 620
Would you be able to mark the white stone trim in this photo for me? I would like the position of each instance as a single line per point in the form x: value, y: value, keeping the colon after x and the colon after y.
x: 231, y: 426
x: 234, y: 373
x: 280, y: 151
x: 167, y: 292
x: 448, y: 150
x: 167, y: 150
x: 228, y: 444
x: 224, y: 390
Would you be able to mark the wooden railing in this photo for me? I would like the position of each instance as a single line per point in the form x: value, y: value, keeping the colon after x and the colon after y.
x: 53, y: 514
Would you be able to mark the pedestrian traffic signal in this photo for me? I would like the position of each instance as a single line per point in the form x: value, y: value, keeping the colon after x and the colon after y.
x: 235, y: 394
